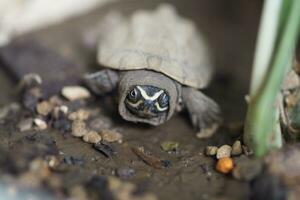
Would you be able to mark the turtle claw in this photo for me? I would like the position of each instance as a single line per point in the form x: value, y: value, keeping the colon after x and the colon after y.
x: 204, y: 112
x: 207, y: 132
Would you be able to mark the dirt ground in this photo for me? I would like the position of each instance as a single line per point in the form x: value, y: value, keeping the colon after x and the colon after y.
x: 230, y: 27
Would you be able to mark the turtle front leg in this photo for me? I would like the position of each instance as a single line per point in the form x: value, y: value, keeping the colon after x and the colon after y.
x: 102, y: 82
x: 204, y: 113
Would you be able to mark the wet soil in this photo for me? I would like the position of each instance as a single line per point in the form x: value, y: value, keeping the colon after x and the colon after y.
x: 230, y: 28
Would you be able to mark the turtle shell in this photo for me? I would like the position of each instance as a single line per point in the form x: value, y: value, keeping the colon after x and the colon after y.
x: 158, y: 40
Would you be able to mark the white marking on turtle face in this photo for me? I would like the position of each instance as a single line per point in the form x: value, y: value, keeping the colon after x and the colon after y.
x: 135, y: 105
x: 147, y: 97
x: 160, y: 108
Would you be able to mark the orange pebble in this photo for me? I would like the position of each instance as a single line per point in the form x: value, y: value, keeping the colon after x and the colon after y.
x: 224, y: 165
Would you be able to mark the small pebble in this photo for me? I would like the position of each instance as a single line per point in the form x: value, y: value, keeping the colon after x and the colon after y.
x: 79, y: 115
x: 92, y: 137
x: 237, y: 148
x: 73, y: 93
x: 111, y: 136
x: 125, y: 172
x: 169, y: 146
x: 61, y: 122
x: 224, y: 151
x: 79, y: 128
x: 73, y: 160
x: 165, y: 163
x: 44, y: 108
x: 41, y: 124
x: 224, y: 165
x: 64, y: 109
x: 211, y: 150
x: 105, y: 148
x: 25, y: 124
x: 53, y: 161
x: 58, y: 110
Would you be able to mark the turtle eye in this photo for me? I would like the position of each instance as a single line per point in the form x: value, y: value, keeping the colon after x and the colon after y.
x: 163, y: 100
x: 133, y: 94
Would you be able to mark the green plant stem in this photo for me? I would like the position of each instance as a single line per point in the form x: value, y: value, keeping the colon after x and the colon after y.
x: 265, y: 44
x: 262, y: 123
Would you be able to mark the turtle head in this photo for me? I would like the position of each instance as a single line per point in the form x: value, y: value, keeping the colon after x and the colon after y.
x: 147, y: 101
x: 147, y: 96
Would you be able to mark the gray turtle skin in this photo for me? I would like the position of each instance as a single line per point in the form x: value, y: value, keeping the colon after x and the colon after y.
x: 159, y: 76
x: 204, y: 112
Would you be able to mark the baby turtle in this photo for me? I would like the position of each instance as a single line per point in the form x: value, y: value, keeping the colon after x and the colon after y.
x: 157, y: 60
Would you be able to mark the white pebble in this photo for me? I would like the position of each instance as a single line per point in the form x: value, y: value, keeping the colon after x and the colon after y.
x: 25, y: 124
x: 58, y: 110
x: 44, y: 108
x: 75, y: 93
x: 79, y: 115
x: 224, y: 151
x: 79, y: 128
x: 111, y: 136
x: 41, y: 124
x: 237, y: 148
x: 92, y: 137
x: 211, y: 150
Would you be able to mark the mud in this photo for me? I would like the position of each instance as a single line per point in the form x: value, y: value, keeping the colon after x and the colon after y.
x: 230, y: 28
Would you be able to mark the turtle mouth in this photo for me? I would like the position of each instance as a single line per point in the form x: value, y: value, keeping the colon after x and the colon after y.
x: 147, y: 101
x: 142, y: 113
